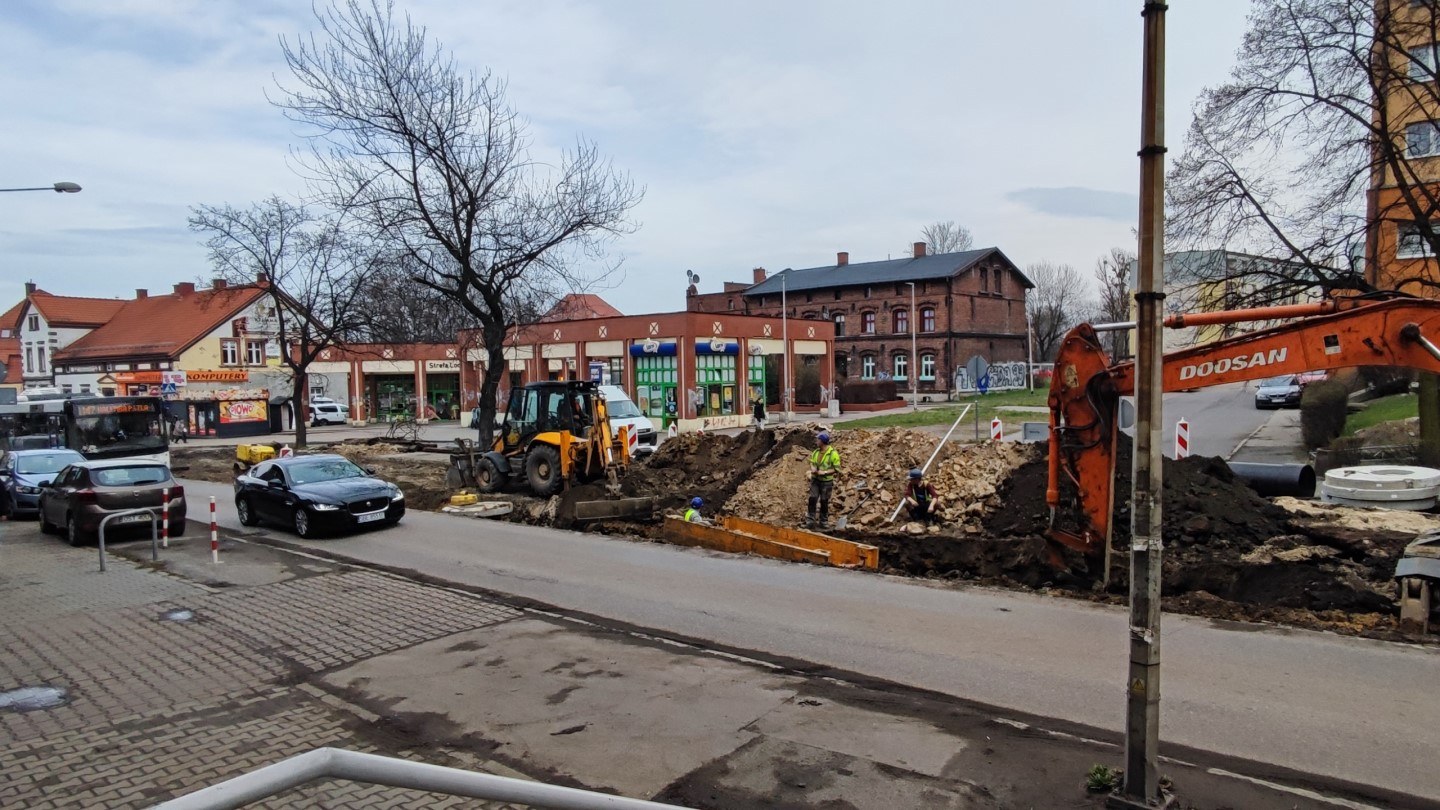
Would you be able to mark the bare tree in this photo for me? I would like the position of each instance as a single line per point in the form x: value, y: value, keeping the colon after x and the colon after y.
x: 394, y: 308
x: 1057, y: 303
x: 1280, y: 160
x: 311, y: 272
x: 946, y: 237
x: 1112, y: 274
x: 434, y: 161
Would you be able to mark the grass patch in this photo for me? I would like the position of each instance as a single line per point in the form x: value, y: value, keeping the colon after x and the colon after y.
x: 989, y: 405
x: 1384, y: 409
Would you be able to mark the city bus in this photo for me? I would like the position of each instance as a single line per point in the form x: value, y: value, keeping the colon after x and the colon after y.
x: 94, y: 427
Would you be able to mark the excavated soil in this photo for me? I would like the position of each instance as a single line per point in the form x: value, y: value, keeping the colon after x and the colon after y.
x: 1229, y: 553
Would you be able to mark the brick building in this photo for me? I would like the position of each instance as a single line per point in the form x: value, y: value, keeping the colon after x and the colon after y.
x: 964, y: 304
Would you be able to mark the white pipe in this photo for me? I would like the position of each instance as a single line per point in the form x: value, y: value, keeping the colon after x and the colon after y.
x: 931, y: 460
x: 354, y: 766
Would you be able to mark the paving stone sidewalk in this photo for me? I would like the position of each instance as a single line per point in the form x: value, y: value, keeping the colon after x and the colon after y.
x: 160, y: 708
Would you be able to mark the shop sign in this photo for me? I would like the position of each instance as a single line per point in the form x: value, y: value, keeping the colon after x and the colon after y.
x: 131, y: 377
x: 718, y: 346
x: 175, y: 378
x: 442, y: 365
x: 245, y: 410
x: 218, y: 376
x: 650, y: 346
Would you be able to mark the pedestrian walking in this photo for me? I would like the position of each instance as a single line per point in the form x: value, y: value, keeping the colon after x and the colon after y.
x: 921, y: 498
x: 824, y: 467
x: 7, y: 503
x: 757, y: 407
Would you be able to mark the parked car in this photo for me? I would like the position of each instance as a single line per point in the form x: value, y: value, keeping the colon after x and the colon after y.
x: 23, y: 472
x: 328, y: 413
x: 1279, y: 392
x: 316, y: 494
x: 623, y: 411
x: 86, y: 492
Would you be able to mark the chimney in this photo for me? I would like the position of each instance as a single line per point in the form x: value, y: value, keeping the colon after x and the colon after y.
x: 29, y: 288
x: 842, y: 258
x: 919, y: 250
x: 759, y: 274
x: 141, y: 294
x: 262, y: 277
x: 218, y: 284
x: 185, y: 288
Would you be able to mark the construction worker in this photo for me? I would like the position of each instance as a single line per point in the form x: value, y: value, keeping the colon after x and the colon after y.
x: 692, y: 515
x: 824, y: 467
x: 921, y: 498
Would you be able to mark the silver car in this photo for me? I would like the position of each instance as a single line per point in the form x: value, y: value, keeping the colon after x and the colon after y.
x: 23, y: 472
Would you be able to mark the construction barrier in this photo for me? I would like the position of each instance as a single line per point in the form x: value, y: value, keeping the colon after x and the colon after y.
x: 843, y: 553
x: 214, y: 534
x: 741, y: 536
x: 1182, y: 439
x: 165, y: 517
x: 997, y: 430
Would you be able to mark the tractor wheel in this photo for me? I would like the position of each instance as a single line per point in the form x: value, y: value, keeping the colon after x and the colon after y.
x: 542, y: 468
x: 489, y: 478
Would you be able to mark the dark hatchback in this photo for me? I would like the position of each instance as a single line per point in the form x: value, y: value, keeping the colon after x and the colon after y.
x: 316, y: 495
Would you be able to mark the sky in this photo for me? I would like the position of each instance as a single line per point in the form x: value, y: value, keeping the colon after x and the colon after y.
x: 764, y: 134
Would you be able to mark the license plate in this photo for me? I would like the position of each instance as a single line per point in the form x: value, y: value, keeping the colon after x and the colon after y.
x: 370, y: 517
x: 133, y: 519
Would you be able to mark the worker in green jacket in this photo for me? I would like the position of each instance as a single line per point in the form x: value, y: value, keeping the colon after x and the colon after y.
x: 824, y: 467
x: 692, y: 515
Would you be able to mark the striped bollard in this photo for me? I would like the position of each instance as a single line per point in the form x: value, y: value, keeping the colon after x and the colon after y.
x: 997, y: 430
x: 165, y: 517
x: 214, y: 534
x: 1182, y: 439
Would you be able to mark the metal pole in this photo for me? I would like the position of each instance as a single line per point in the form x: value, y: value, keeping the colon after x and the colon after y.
x: 1029, y: 352
x: 1142, y: 709
x: 914, y: 357
x: 785, y: 339
x: 931, y: 460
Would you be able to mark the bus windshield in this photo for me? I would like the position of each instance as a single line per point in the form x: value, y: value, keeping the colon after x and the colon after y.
x: 120, y: 434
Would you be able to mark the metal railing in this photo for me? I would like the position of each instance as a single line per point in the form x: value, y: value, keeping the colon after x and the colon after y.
x: 337, y: 763
x: 154, y: 532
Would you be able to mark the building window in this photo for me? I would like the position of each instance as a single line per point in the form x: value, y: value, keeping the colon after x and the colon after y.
x: 1422, y: 63
x: 229, y: 353
x: 34, y: 323
x: 1422, y: 139
x: 84, y: 388
x: 40, y: 358
x: 867, y: 323
x: 927, y: 319
x: 902, y: 367
x: 809, y: 298
x: 839, y: 324
x: 999, y: 275
x: 254, y: 352
x: 984, y: 279
x: 837, y: 295
x: 732, y: 303
x: 1411, y: 244
x: 901, y: 321
x: 927, y: 367
x: 867, y: 292
x: 867, y: 367
x: 29, y: 359
x: 66, y: 389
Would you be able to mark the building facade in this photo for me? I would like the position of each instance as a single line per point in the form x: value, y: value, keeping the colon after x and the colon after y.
x: 381, y: 382
x: 50, y: 323
x: 952, y: 307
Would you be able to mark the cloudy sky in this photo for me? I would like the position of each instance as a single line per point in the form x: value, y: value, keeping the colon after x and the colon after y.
x: 766, y: 134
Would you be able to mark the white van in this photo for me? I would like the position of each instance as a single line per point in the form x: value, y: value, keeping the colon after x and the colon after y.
x: 625, y: 412
x: 327, y: 412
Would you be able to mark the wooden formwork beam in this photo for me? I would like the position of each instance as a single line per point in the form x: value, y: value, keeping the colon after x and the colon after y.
x: 843, y: 553
x: 683, y: 533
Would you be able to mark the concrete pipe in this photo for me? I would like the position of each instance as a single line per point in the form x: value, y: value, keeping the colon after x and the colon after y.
x: 1272, y: 480
x: 1387, y: 486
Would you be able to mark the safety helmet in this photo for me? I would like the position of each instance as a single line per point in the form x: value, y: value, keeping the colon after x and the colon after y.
x: 824, y: 437
x: 696, y: 503
x: 915, y: 473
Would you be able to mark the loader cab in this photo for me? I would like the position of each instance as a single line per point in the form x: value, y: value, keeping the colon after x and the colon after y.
x: 545, y: 407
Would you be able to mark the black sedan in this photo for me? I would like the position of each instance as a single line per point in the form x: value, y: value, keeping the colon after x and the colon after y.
x: 316, y: 494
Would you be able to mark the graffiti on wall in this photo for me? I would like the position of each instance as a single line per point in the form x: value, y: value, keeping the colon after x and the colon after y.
x: 1003, y: 377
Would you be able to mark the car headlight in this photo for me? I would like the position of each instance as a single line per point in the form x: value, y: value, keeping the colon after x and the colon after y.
x: 325, y: 507
x: 24, y: 490
x: 397, y: 495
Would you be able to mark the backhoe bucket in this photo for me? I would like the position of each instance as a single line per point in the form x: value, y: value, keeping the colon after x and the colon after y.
x: 616, y: 509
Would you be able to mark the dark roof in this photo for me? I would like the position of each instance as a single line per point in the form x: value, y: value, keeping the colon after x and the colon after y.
x: 892, y: 271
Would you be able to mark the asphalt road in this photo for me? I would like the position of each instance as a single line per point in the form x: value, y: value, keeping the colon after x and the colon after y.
x: 1340, y: 707
x: 1220, y: 418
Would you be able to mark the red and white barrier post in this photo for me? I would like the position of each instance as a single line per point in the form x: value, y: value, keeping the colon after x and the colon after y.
x: 165, y: 518
x: 214, y: 534
x: 997, y: 430
x: 1182, y: 439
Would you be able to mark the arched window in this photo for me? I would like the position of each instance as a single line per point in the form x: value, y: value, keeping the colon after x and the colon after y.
x: 927, y: 319
x: 839, y: 324
x: 902, y: 366
x: 867, y: 323
x: 867, y: 367
x: 927, y: 367
x: 901, y: 321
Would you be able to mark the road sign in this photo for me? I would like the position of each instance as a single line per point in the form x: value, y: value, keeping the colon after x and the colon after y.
x: 983, y: 384
x: 168, y: 389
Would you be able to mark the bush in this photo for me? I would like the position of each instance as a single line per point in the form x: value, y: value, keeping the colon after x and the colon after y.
x: 862, y: 392
x: 1386, y: 380
x: 1322, y: 412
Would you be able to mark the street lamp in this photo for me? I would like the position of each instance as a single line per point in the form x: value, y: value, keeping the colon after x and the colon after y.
x: 914, y: 369
x: 58, y: 188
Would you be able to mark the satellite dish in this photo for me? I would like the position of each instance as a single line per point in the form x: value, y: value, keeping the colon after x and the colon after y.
x: 691, y: 277
x: 694, y: 278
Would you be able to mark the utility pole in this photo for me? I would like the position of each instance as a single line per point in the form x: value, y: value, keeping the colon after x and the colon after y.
x: 1142, y: 708
x: 914, y: 365
x: 785, y: 339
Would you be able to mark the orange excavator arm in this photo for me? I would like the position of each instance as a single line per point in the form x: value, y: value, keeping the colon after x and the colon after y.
x: 1086, y: 388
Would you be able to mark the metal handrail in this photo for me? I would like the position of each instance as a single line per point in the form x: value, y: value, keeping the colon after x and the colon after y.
x: 154, y: 532
x: 337, y: 763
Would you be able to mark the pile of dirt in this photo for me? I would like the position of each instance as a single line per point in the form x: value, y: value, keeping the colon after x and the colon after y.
x: 710, y: 465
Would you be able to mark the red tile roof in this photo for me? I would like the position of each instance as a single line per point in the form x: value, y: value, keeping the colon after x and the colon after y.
x: 580, y: 305
x: 161, y: 325
x: 10, y: 359
x: 11, y: 319
x: 60, y: 310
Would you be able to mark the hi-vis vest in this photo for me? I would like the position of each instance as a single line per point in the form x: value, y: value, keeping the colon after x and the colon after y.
x: 827, y: 460
x: 692, y: 515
